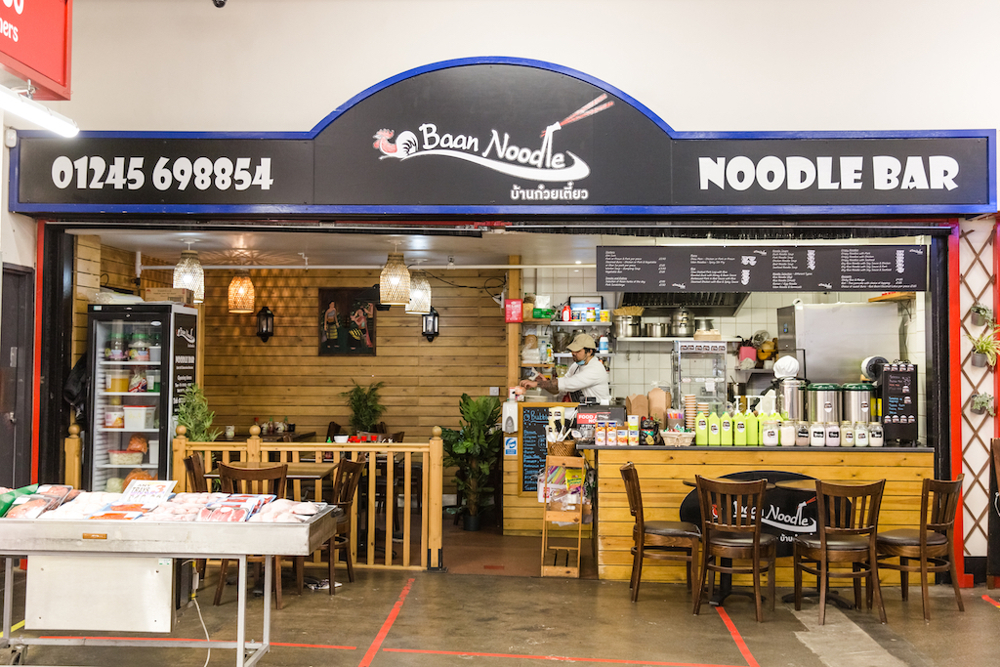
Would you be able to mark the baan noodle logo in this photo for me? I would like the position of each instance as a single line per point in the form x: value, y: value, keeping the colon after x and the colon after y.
x: 499, y: 154
x: 186, y: 334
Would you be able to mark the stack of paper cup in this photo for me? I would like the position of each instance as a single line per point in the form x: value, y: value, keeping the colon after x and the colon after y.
x: 689, y: 411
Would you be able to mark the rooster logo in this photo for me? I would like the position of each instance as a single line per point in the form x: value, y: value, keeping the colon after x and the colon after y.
x: 405, y: 145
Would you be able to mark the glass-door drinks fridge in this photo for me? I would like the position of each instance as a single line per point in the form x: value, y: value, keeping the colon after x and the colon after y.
x: 142, y: 361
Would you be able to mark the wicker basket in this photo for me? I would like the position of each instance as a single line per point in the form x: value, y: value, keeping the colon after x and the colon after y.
x: 562, y: 448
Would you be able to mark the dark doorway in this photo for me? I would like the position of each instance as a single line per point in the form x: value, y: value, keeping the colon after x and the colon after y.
x: 15, y: 375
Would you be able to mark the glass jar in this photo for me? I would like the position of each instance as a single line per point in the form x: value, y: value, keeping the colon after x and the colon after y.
x: 860, y: 434
x: 832, y: 434
x: 138, y: 349
x: 817, y: 434
x: 846, y: 434
x: 876, y: 436
x: 769, y: 433
x: 788, y: 433
x: 802, y: 434
x: 116, y: 349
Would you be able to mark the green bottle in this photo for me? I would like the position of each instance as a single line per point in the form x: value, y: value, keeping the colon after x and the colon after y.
x: 727, y: 429
x: 700, y: 429
x: 739, y: 429
x: 714, y: 430
x: 753, y: 429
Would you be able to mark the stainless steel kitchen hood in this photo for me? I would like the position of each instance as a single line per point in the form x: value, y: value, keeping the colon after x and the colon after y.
x: 707, y: 304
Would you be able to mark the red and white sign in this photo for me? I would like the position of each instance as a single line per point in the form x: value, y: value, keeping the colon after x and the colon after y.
x: 35, y: 40
x: 513, y: 310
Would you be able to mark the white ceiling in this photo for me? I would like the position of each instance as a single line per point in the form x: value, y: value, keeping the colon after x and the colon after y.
x: 259, y: 248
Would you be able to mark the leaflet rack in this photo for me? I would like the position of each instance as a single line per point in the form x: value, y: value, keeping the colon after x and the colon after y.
x: 552, y: 555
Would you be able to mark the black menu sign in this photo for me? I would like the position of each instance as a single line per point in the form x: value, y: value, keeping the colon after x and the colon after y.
x: 185, y: 353
x: 821, y: 268
x: 899, y: 402
x: 534, y: 420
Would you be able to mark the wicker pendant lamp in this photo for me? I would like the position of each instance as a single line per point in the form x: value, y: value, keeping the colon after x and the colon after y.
x: 394, y: 283
x: 189, y: 273
x: 420, y: 294
x: 241, y: 293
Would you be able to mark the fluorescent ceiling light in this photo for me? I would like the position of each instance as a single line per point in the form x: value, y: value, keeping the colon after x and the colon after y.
x: 39, y: 114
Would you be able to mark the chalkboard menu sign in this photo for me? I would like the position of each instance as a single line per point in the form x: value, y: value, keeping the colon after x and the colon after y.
x: 534, y: 420
x: 899, y: 402
x: 822, y: 268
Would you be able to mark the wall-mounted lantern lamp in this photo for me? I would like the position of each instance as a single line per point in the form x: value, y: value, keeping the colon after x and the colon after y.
x: 265, y: 323
x: 430, y: 322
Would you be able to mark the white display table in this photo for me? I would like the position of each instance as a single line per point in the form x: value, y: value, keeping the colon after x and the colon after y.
x: 236, y: 541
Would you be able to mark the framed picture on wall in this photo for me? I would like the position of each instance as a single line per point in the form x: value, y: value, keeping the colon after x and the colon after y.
x: 346, y: 322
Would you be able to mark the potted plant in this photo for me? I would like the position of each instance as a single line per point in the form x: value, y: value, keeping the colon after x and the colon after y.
x: 981, y: 315
x: 983, y: 403
x: 193, y: 413
x: 475, y: 450
x: 366, y: 411
x: 985, y: 347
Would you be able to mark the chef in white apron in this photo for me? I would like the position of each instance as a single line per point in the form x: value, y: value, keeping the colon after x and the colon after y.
x: 586, y: 378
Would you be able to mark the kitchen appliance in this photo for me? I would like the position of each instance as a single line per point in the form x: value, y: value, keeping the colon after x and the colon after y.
x: 699, y: 370
x: 656, y: 329
x: 682, y: 323
x: 791, y: 395
x: 142, y: 360
x: 857, y: 398
x: 823, y: 402
x: 831, y: 340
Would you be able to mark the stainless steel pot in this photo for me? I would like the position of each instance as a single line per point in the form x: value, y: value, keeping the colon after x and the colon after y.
x: 682, y: 330
x: 823, y: 402
x: 656, y: 329
x: 792, y: 398
x: 682, y: 323
x: 857, y: 402
x: 703, y: 323
x: 627, y: 326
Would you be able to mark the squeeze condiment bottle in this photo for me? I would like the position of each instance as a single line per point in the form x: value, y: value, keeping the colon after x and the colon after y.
x: 726, y: 422
x: 753, y: 429
x: 714, y: 429
x: 701, y: 429
x: 739, y: 429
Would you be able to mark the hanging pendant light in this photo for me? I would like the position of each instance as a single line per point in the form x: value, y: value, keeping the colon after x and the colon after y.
x: 189, y: 274
x: 394, y: 283
x: 241, y: 293
x: 420, y: 294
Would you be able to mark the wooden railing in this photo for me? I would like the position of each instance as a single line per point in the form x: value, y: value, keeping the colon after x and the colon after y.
x: 404, y: 463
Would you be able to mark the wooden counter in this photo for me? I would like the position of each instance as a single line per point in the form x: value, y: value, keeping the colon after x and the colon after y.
x: 662, y: 471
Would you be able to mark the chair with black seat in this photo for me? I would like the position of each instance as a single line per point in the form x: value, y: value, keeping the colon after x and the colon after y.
x: 270, y: 480
x: 734, y: 534
x: 930, y: 544
x: 848, y: 522
x: 660, y: 540
x: 198, y: 484
x: 331, y: 430
x: 345, y: 486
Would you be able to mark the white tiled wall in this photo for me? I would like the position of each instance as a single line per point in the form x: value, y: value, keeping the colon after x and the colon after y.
x: 635, y: 366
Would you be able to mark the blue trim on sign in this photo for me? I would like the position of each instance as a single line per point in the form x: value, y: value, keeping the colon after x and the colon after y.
x: 989, y: 135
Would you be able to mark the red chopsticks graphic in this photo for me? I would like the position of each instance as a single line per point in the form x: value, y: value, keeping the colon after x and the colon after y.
x: 588, y: 109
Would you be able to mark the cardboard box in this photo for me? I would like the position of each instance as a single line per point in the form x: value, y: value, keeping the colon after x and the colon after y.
x: 175, y: 294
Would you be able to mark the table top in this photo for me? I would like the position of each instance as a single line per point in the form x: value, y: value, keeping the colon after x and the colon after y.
x: 301, y: 471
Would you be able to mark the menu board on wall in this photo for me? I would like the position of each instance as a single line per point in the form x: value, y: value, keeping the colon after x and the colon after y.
x: 822, y: 268
x: 534, y: 420
x: 184, y: 348
x: 899, y: 402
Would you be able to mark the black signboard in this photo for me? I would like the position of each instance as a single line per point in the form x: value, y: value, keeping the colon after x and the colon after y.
x: 534, y: 420
x: 899, y: 402
x: 993, y: 523
x: 490, y: 136
x: 185, y: 353
x: 822, y: 268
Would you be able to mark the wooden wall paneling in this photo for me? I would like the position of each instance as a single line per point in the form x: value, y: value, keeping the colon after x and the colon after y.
x: 662, y: 474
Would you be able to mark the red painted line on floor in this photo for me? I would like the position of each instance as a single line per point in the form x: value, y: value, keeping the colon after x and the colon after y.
x: 556, y: 658
x: 200, y: 639
x: 991, y: 601
x: 740, y: 644
x: 380, y: 637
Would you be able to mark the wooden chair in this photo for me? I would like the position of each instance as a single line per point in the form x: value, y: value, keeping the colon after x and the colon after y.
x: 930, y: 544
x: 848, y: 522
x: 734, y: 534
x: 345, y: 486
x: 331, y: 430
x: 196, y: 480
x: 660, y: 540
x: 252, y: 480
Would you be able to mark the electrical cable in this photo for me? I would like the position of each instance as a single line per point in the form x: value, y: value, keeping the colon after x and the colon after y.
x: 197, y: 606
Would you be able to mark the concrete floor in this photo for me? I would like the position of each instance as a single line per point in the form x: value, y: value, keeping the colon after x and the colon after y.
x: 428, y: 619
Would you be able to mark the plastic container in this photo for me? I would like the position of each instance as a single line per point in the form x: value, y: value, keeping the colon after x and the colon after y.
x: 833, y: 434
x: 138, y: 349
x: 817, y: 434
x: 861, y: 434
x: 114, y: 417
x: 155, y: 353
x: 117, y: 381
x: 153, y: 380
x: 846, y: 434
x: 769, y: 433
x: 876, y: 435
x: 139, y: 417
x: 802, y: 434
x: 125, y: 458
x: 789, y: 433
x: 116, y: 348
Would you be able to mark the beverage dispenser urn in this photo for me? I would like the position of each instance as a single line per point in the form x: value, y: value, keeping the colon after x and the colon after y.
x: 823, y: 402
x: 791, y: 398
x: 857, y: 402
